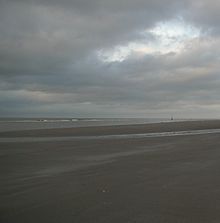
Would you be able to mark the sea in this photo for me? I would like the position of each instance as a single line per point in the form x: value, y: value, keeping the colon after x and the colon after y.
x: 15, y: 124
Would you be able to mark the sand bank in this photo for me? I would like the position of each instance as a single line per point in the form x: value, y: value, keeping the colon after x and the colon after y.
x: 163, y: 179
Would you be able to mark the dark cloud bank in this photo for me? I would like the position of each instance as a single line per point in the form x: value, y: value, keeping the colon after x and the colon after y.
x: 51, y: 61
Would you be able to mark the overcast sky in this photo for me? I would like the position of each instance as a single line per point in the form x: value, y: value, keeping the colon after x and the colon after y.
x: 110, y: 58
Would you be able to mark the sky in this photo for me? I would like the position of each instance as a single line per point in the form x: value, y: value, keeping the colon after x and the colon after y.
x: 110, y: 58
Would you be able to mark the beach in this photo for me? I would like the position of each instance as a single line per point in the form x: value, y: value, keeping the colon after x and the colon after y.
x: 167, y: 179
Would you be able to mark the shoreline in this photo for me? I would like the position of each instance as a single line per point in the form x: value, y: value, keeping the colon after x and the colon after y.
x: 116, y: 129
x: 109, y: 137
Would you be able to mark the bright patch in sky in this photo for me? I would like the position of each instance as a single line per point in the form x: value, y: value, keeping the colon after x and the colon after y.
x: 168, y: 37
x: 171, y: 36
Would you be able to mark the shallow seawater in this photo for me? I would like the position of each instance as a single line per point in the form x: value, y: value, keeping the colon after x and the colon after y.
x: 119, y: 136
x: 44, y: 123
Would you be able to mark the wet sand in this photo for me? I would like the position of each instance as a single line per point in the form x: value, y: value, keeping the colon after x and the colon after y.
x: 156, y: 180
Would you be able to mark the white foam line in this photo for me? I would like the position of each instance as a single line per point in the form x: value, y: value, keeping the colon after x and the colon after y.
x: 120, y: 136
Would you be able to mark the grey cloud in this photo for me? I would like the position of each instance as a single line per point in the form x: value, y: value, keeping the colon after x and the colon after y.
x: 48, y: 60
x: 205, y: 14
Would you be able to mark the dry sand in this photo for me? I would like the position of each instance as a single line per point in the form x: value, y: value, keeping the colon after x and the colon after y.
x: 155, y: 180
